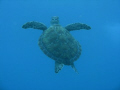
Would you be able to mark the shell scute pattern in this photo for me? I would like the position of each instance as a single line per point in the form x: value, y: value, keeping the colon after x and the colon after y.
x: 59, y: 44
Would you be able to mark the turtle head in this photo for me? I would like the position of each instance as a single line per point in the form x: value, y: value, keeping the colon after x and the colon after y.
x: 54, y: 20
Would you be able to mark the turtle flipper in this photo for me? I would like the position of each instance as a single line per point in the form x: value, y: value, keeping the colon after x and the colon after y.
x: 73, y: 66
x: 77, y: 26
x: 34, y: 25
x: 58, y: 66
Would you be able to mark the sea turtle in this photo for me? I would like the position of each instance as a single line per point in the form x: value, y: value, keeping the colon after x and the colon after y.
x: 57, y: 42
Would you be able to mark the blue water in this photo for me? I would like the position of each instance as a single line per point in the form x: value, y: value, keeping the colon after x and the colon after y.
x: 23, y: 66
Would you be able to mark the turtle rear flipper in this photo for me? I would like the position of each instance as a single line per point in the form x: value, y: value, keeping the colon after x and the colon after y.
x: 34, y: 25
x: 73, y: 66
x: 77, y: 26
x: 58, y: 66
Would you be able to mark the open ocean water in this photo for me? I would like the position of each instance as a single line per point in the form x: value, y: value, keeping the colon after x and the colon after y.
x: 23, y: 66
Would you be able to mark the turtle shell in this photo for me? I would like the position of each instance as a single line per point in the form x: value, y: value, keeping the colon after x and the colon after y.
x: 57, y: 43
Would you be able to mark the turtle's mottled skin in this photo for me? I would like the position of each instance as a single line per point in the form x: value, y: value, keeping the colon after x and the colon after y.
x: 57, y: 42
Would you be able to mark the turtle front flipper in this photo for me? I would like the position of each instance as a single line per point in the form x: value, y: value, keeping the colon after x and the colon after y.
x: 58, y: 66
x: 34, y: 25
x: 77, y: 26
x: 73, y: 66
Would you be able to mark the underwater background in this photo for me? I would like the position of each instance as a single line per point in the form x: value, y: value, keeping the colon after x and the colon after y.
x: 23, y: 66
